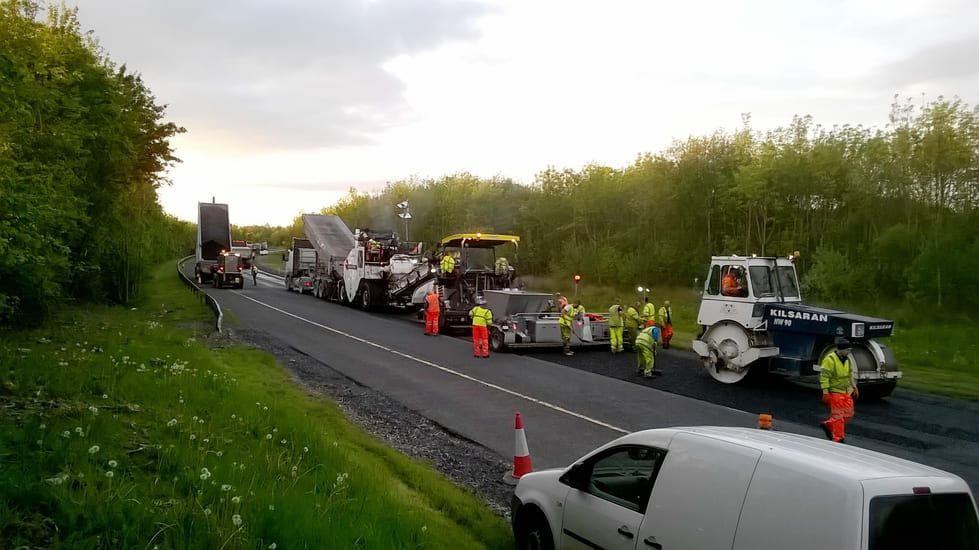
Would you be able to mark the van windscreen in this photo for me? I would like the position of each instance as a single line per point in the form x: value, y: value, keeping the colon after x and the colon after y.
x: 945, y: 520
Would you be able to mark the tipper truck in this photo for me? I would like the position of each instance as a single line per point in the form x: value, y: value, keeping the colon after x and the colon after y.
x: 213, y: 239
x: 300, y: 266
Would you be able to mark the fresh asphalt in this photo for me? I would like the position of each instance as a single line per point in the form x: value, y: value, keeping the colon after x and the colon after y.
x: 571, y: 405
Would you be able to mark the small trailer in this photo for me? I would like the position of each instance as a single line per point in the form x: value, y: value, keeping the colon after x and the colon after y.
x: 523, y: 319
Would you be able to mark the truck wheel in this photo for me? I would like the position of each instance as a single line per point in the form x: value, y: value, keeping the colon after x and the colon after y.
x: 497, y: 343
x: 342, y: 291
x: 366, y: 297
x: 876, y: 391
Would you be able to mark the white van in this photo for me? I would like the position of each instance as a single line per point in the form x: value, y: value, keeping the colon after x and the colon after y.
x: 736, y: 488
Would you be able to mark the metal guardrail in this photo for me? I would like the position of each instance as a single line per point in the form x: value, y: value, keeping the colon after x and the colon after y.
x: 201, y: 295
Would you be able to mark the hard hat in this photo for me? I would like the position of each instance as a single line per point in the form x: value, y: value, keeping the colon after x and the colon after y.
x: 666, y: 303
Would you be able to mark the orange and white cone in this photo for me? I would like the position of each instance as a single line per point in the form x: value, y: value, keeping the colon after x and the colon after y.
x: 521, y: 455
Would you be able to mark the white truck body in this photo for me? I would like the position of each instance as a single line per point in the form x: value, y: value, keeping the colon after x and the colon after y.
x: 743, y: 489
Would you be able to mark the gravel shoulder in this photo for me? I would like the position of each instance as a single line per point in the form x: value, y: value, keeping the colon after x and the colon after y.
x: 463, y: 461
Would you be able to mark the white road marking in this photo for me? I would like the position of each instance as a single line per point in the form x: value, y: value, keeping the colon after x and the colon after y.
x: 441, y: 368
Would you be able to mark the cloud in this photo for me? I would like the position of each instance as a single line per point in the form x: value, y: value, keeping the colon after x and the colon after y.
x: 954, y: 60
x: 263, y: 75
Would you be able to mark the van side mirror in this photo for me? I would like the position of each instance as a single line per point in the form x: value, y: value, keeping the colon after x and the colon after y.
x: 576, y: 477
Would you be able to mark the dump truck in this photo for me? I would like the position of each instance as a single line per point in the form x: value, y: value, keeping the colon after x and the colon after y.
x: 752, y: 318
x: 524, y: 319
x: 477, y: 268
x: 213, y: 239
x: 229, y: 271
x: 300, y: 266
x: 369, y: 269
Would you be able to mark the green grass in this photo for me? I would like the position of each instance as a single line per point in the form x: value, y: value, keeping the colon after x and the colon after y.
x: 936, y: 354
x: 121, y: 429
x: 272, y: 262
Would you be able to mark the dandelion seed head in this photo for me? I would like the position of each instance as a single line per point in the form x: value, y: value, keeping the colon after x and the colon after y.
x: 78, y: 429
x: 305, y: 449
x: 207, y: 440
x: 268, y: 436
x: 42, y: 426
x: 226, y: 487
x: 172, y: 423
x: 283, y: 442
x: 113, y: 463
x: 66, y: 433
x: 93, y: 449
x: 207, y: 511
x: 93, y: 409
x: 219, y: 453
x: 193, y: 437
x: 109, y: 473
x: 236, y: 499
x: 236, y: 520
x: 272, y: 546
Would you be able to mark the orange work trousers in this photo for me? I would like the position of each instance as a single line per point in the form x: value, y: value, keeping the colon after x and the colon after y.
x: 480, y: 341
x: 667, y: 335
x: 840, y: 412
x: 432, y: 322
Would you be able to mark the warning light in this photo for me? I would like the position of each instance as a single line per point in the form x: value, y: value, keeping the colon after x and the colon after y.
x: 577, y: 279
x: 479, y: 235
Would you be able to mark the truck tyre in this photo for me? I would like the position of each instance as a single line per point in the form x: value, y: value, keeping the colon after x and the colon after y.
x: 366, y: 297
x: 496, y: 340
x: 876, y: 391
x: 342, y: 291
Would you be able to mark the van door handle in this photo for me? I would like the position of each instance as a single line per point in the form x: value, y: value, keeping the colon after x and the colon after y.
x: 651, y: 542
x: 624, y: 531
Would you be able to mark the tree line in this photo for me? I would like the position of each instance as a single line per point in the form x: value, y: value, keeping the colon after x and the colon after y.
x: 877, y: 213
x: 83, y: 149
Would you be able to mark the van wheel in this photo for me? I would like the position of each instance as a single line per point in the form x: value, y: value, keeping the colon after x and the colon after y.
x: 536, y: 536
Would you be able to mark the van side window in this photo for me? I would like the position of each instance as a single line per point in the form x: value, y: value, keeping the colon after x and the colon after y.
x: 625, y: 476
x: 714, y: 282
x: 944, y: 520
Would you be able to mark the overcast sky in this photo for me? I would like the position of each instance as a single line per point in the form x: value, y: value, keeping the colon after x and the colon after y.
x: 288, y: 104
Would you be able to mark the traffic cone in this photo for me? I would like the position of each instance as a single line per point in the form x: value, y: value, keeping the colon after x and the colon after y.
x: 521, y: 455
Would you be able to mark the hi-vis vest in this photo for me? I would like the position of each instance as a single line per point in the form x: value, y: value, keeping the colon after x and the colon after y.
x: 567, y: 315
x: 448, y: 263
x: 481, y: 316
x: 835, y: 375
x: 615, y: 316
x: 432, y: 299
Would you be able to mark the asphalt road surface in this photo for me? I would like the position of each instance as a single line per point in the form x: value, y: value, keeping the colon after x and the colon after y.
x: 571, y: 405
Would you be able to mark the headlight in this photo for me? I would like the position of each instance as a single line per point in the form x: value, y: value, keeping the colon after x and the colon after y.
x: 858, y: 330
x: 504, y: 328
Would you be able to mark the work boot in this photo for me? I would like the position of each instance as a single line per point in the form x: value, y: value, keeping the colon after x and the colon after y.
x: 827, y: 431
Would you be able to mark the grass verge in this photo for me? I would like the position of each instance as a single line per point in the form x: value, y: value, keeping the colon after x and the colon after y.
x: 937, y: 355
x: 272, y: 262
x: 123, y: 429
